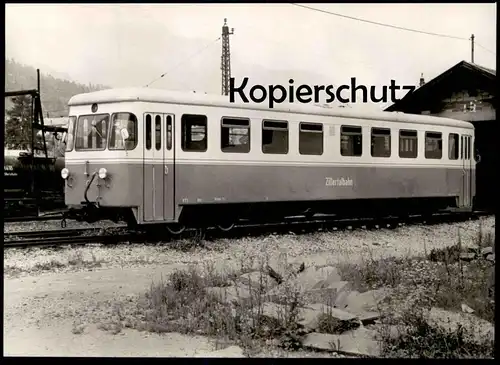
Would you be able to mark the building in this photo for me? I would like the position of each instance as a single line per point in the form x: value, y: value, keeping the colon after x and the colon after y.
x: 466, y: 92
x: 56, y: 122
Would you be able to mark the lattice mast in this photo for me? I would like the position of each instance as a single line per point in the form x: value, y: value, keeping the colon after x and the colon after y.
x: 226, y: 58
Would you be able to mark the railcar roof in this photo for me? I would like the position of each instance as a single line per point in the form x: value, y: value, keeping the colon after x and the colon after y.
x: 186, y: 98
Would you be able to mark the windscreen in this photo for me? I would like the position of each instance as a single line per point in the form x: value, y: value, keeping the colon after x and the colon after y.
x: 92, y: 132
x: 70, y: 135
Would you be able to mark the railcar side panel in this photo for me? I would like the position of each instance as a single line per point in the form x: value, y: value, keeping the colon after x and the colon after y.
x: 244, y: 183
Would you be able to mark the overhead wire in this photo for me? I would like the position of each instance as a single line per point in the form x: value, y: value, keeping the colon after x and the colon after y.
x: 391, y: 26
x: 486, y: 49
x: 378, y: 23
x: 184, y: 61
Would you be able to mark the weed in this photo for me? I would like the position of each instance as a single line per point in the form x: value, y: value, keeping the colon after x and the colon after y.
x: 420, y: 339
x: 222, y: 305
x: 50, y: 265
x: 447, y: 255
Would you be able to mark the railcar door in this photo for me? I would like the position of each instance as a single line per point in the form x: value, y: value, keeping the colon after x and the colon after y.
x: 169, y: 168
x: 154, y: 155
x: 466, y: 157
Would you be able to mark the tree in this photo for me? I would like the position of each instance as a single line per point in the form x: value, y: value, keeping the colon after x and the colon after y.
x: 18, y: 124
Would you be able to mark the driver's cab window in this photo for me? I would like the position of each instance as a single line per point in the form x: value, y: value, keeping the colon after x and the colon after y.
x: 120, y: 121
x: 92, y: 132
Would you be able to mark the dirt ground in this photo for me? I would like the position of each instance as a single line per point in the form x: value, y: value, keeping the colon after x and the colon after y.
x: 39, y: 313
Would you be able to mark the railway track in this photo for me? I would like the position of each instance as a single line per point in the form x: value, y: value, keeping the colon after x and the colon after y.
x: 59, y: 241
x: 50, y: 233
x: 84, y: 236
x: 33, y: 218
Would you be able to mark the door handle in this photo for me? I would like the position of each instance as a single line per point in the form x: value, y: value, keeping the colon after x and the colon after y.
x: 166, y: 170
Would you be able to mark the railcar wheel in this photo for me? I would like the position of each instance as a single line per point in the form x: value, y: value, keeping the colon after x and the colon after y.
x: 176, y: 228
x: 225, y: 227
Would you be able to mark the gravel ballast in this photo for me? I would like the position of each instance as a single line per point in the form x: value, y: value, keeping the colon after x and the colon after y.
x: 11, y: 227
x: 323, y: 248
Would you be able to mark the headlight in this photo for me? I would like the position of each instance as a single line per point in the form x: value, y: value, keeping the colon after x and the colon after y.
x: 64, y: 173
x: 103, y: 173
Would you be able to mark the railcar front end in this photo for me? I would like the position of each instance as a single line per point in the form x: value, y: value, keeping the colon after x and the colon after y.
x: 103, y: 166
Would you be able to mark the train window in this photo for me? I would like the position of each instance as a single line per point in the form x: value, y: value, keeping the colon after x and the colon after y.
x: 169, y: 132
x: 381, y: 142
x: 462, y: 147
x: 235, y: 135
x: 275, y: 137
x: 158, y: 132
x: 70, y: 135
x: 453, y: 146
x: 433, y: 145
x: 467, y: 148
x: 148, y: 132
x: 194, y: 133
x: 408, y: 144
x: 91, y: 132
x: 311, y: 139
x: 351, y: 141
x: 120, y: 121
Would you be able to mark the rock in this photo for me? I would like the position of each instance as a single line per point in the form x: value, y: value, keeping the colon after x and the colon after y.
x: 309, y: 317
x: 230, y: 294
x: 316, y: 260
x: 256, y: 279
x: 337, y: 313
x: 78, y: 329
x: 270, y: 310
x: 320, y: 341
x: 341, y: 300
x: 375, y: 244
x: 322, y: 278
x: 367, y: 318
x: 231, y: 351
x: 467, y: 309
x: 327, y: 293
x: 467, y: 256
x: 357, y: 342
x: 330, y: 282
x: 486, y: 251
x: 491, y: 257
x: 311, y: 277
x: 450, y: 321
x: 365, y: 302
x: 280, y: 264
x: 325, y: 296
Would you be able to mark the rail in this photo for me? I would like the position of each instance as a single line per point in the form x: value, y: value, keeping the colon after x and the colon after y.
x: 81, y: 236
x: 33, y: 218
x: 79, y: 240
x: 50, y: 233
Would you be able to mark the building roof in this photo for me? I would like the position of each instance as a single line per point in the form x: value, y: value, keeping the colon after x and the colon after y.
x: 186, y: 98
x: 426, y: 94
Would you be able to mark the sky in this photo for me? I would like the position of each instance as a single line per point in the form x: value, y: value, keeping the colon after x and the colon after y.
x: 133, y: 44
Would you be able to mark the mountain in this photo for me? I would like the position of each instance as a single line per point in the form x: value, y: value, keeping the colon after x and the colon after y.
x: 55, y: 92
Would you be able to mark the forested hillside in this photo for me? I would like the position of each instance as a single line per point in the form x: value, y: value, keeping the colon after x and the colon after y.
x: 55, y: 92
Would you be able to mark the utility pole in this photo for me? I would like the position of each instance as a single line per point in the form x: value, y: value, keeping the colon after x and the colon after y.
x: 472, y: 48
x: 226, y: 58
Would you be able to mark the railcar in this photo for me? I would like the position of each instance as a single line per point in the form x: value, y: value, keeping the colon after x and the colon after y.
x: 149, y: 156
